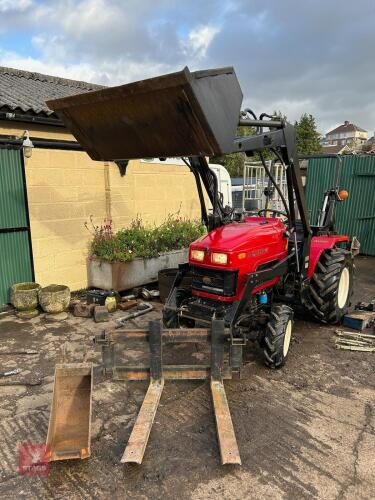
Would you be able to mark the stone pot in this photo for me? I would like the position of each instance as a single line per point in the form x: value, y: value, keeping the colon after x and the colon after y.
x: 24, y: 297
x: 54, y: 300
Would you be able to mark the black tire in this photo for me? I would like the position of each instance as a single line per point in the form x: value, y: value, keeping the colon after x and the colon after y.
x: 276, y: 341
x: 331, y: 286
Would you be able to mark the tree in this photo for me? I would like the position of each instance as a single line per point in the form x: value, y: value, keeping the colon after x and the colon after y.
x: 308, y: 141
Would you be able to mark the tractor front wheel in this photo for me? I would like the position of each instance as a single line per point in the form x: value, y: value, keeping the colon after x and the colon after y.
x: 331, y: 286
x: 276, y: 341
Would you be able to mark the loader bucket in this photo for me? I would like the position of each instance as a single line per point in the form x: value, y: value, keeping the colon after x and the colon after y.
x: 69, y: 430
x: 179, y: 114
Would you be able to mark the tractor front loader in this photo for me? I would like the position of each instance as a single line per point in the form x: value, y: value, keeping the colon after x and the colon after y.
x: 250, y: 271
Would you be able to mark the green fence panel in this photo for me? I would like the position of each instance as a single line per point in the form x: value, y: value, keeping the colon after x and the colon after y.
x: 356, y: 215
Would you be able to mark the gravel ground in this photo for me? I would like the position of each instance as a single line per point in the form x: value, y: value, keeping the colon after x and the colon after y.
x: 305, y: 431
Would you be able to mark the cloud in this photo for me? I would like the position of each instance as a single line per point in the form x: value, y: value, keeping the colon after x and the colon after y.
x: 107, y: 74
x: 7, y: 6
x: 199, y: 40
x: 314, y: 57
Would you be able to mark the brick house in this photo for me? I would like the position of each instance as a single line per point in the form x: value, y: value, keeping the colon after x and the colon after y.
x: 45, y: 199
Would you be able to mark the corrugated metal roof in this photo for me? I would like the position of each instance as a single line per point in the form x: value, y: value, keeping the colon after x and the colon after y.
x: 28, y: 92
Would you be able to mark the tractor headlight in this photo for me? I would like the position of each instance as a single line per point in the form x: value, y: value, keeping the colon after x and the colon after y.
x: 219, y: 258
x: 197, y: 255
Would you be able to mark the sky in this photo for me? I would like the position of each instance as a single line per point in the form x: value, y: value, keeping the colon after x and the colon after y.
x: 293, y: 56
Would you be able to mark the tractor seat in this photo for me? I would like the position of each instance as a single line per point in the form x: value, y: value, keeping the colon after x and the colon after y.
x: 316, y: 230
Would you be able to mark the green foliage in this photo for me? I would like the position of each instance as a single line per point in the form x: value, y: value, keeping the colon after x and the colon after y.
x: 308, y: 142
x: 141, y: 241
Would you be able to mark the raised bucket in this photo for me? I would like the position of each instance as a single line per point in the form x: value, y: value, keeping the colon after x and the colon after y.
x: 179, y: 114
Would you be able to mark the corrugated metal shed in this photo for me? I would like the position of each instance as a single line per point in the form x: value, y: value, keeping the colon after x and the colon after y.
x: 12, y: 198
x: 356, y: 215
x: 15, y: 250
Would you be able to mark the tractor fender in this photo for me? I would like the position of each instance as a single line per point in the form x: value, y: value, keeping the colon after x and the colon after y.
x: 318, y: 245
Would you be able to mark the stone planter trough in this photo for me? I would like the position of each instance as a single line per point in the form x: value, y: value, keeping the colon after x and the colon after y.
x: 126, y: 275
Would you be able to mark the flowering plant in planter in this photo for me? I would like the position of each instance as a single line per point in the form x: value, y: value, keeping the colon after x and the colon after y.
x: 140, y: 241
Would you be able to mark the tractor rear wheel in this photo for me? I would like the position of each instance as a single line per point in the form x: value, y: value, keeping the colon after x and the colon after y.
x: 276, y: 341
x: 331, y: 286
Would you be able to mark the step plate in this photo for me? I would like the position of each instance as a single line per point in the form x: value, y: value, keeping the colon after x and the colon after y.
x: 137, y: 443
x: 225, y: 432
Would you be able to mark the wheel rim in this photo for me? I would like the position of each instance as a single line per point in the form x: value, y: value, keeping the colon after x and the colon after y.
x: 287, y: 337
x: 343, y: 289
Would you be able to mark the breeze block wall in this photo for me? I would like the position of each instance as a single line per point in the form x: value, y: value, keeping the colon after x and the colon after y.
x: 65, y: 188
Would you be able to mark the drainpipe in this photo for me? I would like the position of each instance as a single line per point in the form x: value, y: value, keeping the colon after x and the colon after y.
x: 107, y: 189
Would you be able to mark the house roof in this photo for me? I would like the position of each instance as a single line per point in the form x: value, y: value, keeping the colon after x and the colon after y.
x: 346, y: 127
x: 335, y: 150
x: 26, y: 91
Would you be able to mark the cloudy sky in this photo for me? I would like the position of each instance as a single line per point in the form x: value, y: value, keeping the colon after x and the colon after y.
x: 296, y: 56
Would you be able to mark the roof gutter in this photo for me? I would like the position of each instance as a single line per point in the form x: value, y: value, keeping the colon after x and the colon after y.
x: 40, y: 120
x: 41, y: 143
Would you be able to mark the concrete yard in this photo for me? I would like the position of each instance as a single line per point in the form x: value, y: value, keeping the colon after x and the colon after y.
x: 305, y: 431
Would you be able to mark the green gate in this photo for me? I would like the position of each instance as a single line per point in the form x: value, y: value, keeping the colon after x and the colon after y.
x: 16, y: 263
x: 356, y: 215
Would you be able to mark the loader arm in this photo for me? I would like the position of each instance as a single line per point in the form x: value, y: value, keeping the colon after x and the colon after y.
x: 282, y: 137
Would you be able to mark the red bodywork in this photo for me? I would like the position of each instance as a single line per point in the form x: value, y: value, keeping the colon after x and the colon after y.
x: 249, y: 245
x: 320, y: 243
x: 261, y: 239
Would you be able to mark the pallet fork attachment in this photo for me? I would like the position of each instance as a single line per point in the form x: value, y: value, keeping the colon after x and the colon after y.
x: 158, y: 373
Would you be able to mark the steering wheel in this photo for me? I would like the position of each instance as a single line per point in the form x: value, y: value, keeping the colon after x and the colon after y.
x: 263, y: 211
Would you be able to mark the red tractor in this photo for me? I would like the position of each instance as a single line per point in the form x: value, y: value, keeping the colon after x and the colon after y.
x: 250, y: 271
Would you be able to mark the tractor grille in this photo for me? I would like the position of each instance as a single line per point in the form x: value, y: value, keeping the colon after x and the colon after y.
x: 213, y: 281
